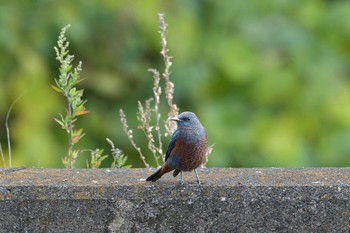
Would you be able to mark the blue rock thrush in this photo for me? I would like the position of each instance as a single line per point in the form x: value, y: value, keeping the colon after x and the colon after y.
x: 187, y: 148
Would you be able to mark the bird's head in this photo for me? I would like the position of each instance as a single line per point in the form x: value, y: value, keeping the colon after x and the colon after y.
x: 187, y: 120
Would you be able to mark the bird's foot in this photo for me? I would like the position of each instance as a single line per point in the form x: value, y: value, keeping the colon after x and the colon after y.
x: 198, y: 180
x: 181, y: 180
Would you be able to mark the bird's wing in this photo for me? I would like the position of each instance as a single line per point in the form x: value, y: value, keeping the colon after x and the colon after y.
x: 171, y: 144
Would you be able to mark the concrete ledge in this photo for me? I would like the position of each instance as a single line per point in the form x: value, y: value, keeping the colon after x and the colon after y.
x: 229, y: 200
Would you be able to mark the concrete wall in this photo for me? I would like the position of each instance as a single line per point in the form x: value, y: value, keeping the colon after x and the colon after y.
x: 229, y: 200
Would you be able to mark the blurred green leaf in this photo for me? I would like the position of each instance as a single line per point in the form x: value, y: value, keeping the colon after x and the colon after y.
x: 268, y: 79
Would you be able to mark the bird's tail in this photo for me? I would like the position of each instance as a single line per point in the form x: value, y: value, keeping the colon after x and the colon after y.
x: 155, y: 176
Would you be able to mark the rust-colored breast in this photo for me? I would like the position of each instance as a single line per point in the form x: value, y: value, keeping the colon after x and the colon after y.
x: 187, y: 156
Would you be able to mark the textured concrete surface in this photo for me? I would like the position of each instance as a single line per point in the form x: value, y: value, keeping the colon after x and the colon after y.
x: 229, y: 200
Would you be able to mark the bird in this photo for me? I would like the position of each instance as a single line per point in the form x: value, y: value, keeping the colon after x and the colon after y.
x: 187, y: 148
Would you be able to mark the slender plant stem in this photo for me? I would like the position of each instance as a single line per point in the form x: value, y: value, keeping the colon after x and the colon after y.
x: 170, y: 126
x: 157, y: 92
x: 130, y: 136
x: 69, y: 131
x: 144, y: 114
x: 2, y: 156
x: 8, y: 128
x: 68, y: 78
x: 145, y: 119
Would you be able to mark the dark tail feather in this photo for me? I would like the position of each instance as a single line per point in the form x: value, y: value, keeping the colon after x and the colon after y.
x: 155, y: 176
x: 176, y: 172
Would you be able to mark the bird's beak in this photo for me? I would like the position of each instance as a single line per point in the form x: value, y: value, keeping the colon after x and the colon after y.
x: 175, y: 119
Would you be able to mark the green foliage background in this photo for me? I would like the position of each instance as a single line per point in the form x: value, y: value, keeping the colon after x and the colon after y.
x: 270, y: 80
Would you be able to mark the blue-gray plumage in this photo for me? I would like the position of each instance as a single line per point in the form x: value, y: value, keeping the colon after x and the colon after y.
x: 187, y: 148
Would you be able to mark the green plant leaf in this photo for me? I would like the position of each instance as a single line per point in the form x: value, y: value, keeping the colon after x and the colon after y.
x: 56, y: 89
x: 59, y: 122
x: 102, y: 158
x: 81, y: 112
x: 68, y: 68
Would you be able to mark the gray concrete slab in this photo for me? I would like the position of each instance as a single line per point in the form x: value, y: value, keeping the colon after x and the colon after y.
x: 229, y: 200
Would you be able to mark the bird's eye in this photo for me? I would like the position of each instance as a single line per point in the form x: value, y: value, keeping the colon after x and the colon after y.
x: 186, y: 119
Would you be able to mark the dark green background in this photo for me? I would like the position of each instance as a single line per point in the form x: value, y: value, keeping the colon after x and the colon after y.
x: 268, y: 79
